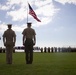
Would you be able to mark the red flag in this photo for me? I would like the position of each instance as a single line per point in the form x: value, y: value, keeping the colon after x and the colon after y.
x: 32, y: 13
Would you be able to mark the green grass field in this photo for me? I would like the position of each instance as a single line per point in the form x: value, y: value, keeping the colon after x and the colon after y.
x: 43, y: 64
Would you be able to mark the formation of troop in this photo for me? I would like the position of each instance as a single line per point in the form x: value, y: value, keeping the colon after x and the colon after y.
x: 29, y: 40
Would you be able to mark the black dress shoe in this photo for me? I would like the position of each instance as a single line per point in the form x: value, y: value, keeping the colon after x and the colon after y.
x: 28, y: 62
x: 9, y: 63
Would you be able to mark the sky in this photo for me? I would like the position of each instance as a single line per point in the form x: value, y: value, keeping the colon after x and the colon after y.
x: 58, y: 21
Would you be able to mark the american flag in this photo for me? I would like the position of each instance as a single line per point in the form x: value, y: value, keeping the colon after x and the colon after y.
x: 32, y: 13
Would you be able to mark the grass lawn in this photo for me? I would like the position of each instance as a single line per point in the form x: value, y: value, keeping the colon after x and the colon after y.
x: 43, y: 64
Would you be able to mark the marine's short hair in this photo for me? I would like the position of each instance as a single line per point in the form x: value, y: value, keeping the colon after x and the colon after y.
x: 9, y: 25
x: 29, y: 24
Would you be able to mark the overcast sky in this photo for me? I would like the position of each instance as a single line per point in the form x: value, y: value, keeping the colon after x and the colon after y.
x: 58, y: 21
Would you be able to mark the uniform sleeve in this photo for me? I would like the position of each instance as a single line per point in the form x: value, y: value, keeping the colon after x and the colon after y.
x: 34, y: 32
x: 14, y: 34
x: 4, y: 34
x: 23, y: 32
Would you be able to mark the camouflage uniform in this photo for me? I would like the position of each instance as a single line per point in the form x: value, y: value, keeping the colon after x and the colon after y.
x: 9, y: 38
x: 29, y: 35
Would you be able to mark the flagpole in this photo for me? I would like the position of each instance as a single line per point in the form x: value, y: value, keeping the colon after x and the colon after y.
x: 27, y: 11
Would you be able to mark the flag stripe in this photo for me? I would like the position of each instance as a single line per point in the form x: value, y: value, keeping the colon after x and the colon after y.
x: 32, y: 13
